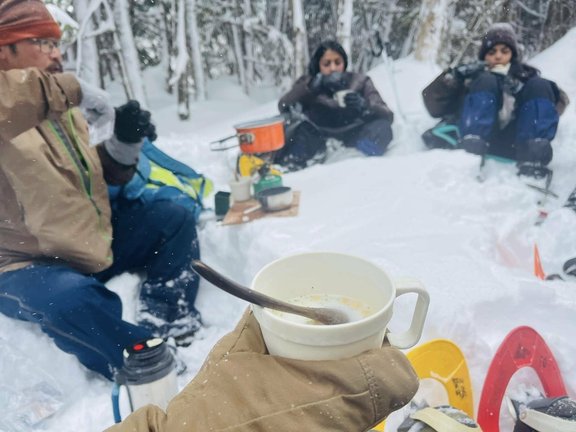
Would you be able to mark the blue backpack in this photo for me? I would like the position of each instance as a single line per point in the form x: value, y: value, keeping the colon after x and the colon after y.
x: 160, y: 177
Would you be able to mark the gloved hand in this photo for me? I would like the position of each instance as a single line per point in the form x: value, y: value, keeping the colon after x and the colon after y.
x: 98, y: 112
x: 133, y: 123
x: 468, y: 70
x: 315, y: 84
x: 334, y: 82
x: 355, y: 101
x: 366, y: 388
x: 131, y: 127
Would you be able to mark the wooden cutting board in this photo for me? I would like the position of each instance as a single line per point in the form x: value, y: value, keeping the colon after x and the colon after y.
x: 236, y: 214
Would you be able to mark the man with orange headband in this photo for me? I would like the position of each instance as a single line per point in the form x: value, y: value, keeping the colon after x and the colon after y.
x: 60, y: 239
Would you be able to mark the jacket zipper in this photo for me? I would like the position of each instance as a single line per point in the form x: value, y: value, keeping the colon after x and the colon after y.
x: 78, y: 160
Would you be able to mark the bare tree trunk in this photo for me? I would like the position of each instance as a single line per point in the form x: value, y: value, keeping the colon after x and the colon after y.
x: 248, y: 48
x: 279, y: 14
x: 195, y: 44
x: 87, y: 62
x: 300, y: 38
x: 170, y: 25
x: 239, y: 57
x: 129, y: 51
x: 182, y: 62
x: 344, y: 26
x: 433, y: 22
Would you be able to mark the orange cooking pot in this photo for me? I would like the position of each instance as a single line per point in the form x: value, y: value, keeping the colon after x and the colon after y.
x: 258, y: 136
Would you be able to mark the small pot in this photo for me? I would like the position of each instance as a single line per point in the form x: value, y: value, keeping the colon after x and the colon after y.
x: 261, y: 136
x: 276, y: 198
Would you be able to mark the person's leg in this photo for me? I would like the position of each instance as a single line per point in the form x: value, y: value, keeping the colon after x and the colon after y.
x: 82, y: 316
x: 159, y: 237
x: 302, y: 145
x: 479, y: 115
x: 502, y: 142
x: 537, y: 122
x: 372, y: 138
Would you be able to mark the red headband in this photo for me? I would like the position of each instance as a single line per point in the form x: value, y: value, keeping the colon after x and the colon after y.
x: 26, y: 19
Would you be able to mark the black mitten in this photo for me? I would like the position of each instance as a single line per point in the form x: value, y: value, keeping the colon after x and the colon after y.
x: 334, y: 82
x: 355, y: 101
x: 133, y: 123
x: 469, y: 70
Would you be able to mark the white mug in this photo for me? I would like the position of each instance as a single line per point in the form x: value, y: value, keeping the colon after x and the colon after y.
x: 240, y: 189
x: 340, y: 276
x: 339, y: 96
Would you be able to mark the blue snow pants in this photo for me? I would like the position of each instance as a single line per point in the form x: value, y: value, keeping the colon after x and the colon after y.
x: 535, y: 116
x: 76, y: 310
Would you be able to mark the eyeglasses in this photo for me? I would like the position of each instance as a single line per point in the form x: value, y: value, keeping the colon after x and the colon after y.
x: 46, y: 46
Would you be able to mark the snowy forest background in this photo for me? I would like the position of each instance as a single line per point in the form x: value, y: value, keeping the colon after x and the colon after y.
x: 267, y: 43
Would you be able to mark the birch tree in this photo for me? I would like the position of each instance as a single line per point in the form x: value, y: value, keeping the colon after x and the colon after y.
x: 248, y: 46
x: 196, y: 51
x: 237, y: 44
x: 87, y: 62
x: 300, y: 38
x: 181, y: 66
x: 344, y: 25
x: 129, y: 51
x: 432, y: 26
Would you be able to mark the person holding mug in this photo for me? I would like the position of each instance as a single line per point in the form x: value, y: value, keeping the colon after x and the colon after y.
x: 497, y: 105
x: 242, y: 388
x: 331, y: 102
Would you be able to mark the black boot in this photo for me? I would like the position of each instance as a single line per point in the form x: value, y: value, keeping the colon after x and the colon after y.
x: 167, y: 308
x: 474, y: 144
x: 533, y: 169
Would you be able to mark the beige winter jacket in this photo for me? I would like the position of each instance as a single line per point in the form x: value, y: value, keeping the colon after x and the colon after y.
x: 54, y: 201
x: 241, y: 388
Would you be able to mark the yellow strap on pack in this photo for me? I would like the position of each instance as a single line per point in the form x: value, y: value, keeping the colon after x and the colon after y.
x: 162, y: 176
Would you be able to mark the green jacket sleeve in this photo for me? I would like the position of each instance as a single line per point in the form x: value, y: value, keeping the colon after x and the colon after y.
x: 241, y: 388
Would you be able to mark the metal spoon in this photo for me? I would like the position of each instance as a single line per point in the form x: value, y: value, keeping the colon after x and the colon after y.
x: 327, y: 316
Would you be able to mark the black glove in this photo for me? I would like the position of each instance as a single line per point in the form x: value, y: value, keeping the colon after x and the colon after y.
x: 315, y: 84
x: 133, y: 123
x: 334, y: 82
x: 468, y: 70
x: 355, y: 101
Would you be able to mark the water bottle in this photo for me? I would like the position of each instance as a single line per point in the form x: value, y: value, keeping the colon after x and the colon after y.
x: 148, y: 374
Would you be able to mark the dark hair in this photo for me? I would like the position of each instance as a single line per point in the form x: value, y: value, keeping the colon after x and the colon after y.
x: 522, y: 71
x: 314, y: 66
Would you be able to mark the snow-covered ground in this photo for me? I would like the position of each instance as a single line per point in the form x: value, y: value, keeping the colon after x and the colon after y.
x: 415, y: 213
